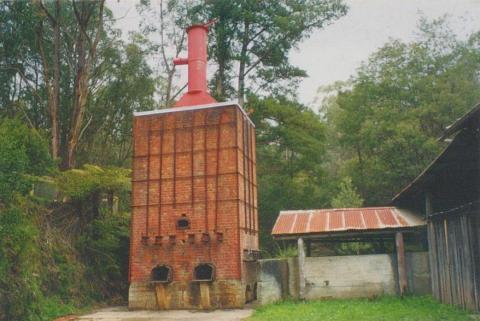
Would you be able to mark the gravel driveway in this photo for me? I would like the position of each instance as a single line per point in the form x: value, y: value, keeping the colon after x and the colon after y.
x: 122, y: 314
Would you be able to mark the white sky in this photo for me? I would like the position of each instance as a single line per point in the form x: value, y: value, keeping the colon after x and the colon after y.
x: 333, y: 53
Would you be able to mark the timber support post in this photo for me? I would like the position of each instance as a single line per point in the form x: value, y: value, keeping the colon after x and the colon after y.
x: 301, y: 268
x: 402, y: 270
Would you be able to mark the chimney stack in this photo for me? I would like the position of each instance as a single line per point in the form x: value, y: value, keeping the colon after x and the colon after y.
x: 197, y: 67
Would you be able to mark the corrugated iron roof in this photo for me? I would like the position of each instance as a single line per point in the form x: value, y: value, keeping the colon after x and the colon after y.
x: 343, y: 219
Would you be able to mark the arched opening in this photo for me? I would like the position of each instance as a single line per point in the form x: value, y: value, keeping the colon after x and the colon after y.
x: 161, y: 274
x: 204, y: 272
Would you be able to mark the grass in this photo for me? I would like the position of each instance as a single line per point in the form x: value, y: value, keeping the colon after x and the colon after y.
x: 411, y: 308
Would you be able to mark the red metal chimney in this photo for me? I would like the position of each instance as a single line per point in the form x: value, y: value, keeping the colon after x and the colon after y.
x: 197, y: 67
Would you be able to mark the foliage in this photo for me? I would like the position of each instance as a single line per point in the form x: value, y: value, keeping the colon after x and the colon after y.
x: 45, y: 273
x: 104, y: 248
x: 290, y: 149
x: 80, y: 183
x: 347, y: 195
x: 385, y: 122
x: 384, y: 308
x: 255, y: 38
x: 23, y: 153
x: 130, y: 87
x: 286, y: 251
x: 18, y: 263
x: 57, y: 77
x: 164, y: 26
x: 45, y: 270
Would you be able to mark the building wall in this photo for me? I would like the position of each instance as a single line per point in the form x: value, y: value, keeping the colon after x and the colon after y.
x: 341, y: 276
x: 197, y: 165
x: 418, y: 273
x: 447, y: 192
x: 349, y: 276
x: 454, y: 258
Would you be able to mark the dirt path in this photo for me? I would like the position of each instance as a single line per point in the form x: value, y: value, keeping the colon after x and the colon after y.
x: 122, y: 314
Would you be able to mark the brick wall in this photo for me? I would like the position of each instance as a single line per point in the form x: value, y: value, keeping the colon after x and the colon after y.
x: 200, y: 165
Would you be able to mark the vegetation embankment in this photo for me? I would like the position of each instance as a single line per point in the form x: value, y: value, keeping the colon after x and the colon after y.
x: 63, y: 243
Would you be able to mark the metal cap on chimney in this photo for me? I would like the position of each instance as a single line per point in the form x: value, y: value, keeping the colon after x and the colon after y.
x: 197, y: 93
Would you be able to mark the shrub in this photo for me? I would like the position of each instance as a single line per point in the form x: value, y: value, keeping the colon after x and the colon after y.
x: 23, y: 153
x: 19, y: 282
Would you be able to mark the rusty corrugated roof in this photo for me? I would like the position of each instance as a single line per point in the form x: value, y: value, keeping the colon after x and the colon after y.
x: 343, y: 219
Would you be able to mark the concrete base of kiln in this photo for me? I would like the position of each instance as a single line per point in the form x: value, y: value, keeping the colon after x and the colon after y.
x: 223, y: 294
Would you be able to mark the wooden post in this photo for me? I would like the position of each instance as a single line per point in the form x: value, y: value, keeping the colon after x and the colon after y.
x: 431, y: 246
x: 163, y: 298
x: 309, y: 248
x: 301, y: 268
x: 205, y: 295
x: 428, y: 204
x: 402, y: 271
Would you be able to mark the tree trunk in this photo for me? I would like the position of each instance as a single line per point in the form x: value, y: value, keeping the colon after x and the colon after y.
x: 56, y: 83
x: 81, y: 95
x: 243, y: 61
x: 222, y: 57
x: 52, y: 87
x: 85, y: 60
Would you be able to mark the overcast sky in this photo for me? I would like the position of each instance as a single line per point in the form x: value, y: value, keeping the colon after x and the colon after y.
x: 334, y: 52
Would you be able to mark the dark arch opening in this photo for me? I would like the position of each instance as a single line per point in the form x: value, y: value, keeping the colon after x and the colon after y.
x: 161, y: 273
x: 204, y: 272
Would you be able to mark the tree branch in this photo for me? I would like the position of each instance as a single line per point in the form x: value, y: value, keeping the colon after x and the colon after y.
x: 53, y: 21
x: 93, y: 48
x: 25, y: 79
x: 82, y: 21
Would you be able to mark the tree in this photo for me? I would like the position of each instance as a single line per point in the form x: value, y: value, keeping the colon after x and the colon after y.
x: 128, y: 86
x: 58, y: 72
x: 347, y: 195
x: 386, y: 121
x: 169, y: 21
x: 51, y: 70
x: 290, y: 149
x: 51, y: 28
x: 89, y: 16
x: 251, y: 40
x: 23, y: 154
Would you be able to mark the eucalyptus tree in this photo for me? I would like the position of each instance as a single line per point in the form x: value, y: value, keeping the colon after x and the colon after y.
x: 163, y: 30
x: 251, y: 41
x: 56, y: 57
x: 291, y: 146
x: 387, y: 120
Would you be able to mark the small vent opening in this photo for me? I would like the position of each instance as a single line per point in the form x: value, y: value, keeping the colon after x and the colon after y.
x: 162, y: 274
x: 183, y: 223
x: 204, y: 272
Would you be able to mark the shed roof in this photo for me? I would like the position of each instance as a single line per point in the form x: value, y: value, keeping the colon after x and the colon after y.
x: 470, y: 119
x: 340, y: 220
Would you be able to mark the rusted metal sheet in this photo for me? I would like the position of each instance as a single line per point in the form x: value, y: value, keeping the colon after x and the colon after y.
x: 343, y: 219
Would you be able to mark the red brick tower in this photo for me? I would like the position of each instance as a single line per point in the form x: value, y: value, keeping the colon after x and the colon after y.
x: 194, y: 232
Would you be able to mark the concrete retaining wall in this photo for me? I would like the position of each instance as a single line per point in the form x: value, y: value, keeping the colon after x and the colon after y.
x: 273, y: 279
x: 418, y: 273
x: 341, y: 276
x: 349, y: 276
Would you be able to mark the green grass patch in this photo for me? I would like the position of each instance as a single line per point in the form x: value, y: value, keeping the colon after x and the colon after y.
x: 411, y: 308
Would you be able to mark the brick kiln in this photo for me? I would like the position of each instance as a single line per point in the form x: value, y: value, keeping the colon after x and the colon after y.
x: 194, y: 232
